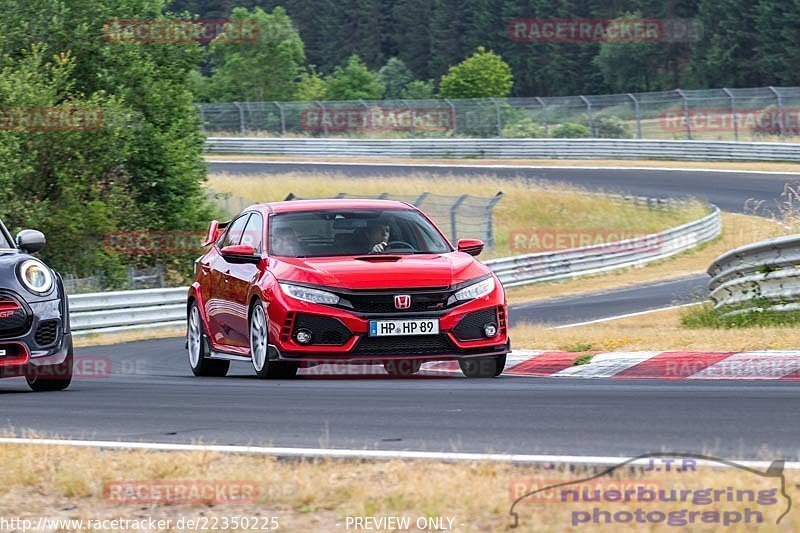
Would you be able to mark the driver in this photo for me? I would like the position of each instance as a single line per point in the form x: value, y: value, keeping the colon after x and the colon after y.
x: 378, y: 236
x: 285, y: 242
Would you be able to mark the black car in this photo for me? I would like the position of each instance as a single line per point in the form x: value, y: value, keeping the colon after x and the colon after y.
x: 35, y: 339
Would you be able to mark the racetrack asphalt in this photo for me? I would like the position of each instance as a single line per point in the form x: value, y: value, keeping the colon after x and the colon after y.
x: 151, y: 395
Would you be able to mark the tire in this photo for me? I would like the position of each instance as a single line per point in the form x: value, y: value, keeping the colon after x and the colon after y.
x: 52, y: 377
x: 483, y: 367
x: 259, y: 349
x: 402, y: 367
x: 198, y: 349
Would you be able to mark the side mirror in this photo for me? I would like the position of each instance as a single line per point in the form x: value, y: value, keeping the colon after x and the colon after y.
x: 30, y: 241
x: 470, y: 246
x: 240, y: 253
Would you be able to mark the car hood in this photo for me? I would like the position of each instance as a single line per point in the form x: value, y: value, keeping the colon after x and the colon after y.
x: 380, y: 271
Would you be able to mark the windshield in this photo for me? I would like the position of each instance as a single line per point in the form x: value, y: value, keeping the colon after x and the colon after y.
x: 353, y: 232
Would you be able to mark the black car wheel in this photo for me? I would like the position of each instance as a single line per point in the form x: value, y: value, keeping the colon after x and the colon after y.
x: 198, y: 349
x: 51, y: 377
x: 483, y: 367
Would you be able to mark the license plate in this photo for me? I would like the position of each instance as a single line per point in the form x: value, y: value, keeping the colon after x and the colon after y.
x: 389, y: 328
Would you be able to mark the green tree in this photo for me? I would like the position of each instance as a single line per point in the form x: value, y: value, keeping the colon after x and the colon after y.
x: 140, y: 167
x: 396, y: 76
x: 268, y: 68
x: 482, y: 75
x: 629, y: 66
x: 418, y: 90
x: 310, y: 86
x: 354, y: 81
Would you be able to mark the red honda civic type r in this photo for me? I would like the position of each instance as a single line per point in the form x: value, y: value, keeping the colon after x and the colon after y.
x: 291, y: 284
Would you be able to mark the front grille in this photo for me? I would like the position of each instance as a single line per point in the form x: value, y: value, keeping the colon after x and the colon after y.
x: 14, y: 317
x: 471, y: 326
x: 414, y: 345
x: 324, y: 330
x: 382, y: 302
x: 46, y: 333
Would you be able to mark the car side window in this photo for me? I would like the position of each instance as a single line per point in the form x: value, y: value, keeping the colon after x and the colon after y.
x: 235, y: 231
x: 253, y: 232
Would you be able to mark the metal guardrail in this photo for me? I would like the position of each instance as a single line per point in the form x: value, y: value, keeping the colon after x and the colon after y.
x: 758, y: 274
x: 510, y: 148
x: 158, y: 308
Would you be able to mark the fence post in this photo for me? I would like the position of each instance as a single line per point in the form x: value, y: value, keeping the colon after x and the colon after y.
x: 202, y: 117
x: 733, y: 114
x: 686, y: 114
x: 412, y: 131
x: 489, y: 222
x: 241, y: 116
x: 544, y: 114
x: 453, y: 113
x: 453, y: 222
x: 499, y: 118
x: 324, y: 122
x: 638, y: 115
x: 780, y: 108
x: 283, y: 117
x: 589, y: 112
x: 420, y: 199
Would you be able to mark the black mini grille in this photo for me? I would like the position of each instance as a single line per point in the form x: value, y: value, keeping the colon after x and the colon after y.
x: 471, y: 326
x: 383, y: 302
x: 324, y: 330
x: 417, y: 345
x: 46, y: 333
x: 14, y: 317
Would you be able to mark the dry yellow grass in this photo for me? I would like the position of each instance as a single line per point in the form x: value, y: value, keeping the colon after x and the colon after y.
x: 60, y: 482
x: 716, y: 165
x: 525, y: 206
x: 660, y: 330
x: 101, y: 339
x: 737, y: 230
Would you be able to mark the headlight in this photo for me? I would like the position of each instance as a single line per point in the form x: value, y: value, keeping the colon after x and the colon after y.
x: 476, y: 290
x: 35, y: 276
x: 315, y: 296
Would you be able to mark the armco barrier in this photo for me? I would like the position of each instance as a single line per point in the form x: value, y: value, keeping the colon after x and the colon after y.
x: 510, y: 148
x: 758, y: 274
x: 157, y: 308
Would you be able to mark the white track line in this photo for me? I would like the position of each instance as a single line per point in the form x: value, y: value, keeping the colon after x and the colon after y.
x: 363, y: 454
x: 629, y: 315
x: 485, y: 167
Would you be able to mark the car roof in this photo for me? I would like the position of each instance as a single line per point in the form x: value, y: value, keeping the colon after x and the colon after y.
x: 331, y: 204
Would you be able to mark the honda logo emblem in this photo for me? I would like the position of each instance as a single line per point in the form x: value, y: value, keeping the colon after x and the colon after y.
x: 402, y: 301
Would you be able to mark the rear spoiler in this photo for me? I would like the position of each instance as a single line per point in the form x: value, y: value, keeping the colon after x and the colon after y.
x: 215, y: 229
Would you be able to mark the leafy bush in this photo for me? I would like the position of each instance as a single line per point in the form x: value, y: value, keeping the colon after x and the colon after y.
x: 482, y: 75
x: 524, y: 127
x: 571, y: 130
x: 610, y: 127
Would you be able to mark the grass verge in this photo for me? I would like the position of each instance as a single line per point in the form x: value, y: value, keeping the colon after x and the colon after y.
x: 661, y: 330
x: 759, y: 316
x: 75, y: 483
x: 555, y: 211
